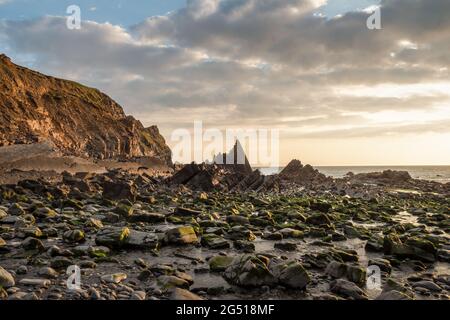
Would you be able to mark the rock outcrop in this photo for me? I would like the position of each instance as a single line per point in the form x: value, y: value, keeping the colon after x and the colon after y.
x: 236, y: 159
x: 388, y: 177
x: 229, y: 172
x: 209, y: 177
x: 296, y: 172
x: 78, y: 120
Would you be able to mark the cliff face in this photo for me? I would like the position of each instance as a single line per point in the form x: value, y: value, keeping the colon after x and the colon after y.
x: 78, y: 120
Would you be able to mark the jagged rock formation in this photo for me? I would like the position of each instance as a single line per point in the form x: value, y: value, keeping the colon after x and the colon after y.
x: 229, y: 172
x: 209, y: 177
x: 235, y: 158
x: 296, y: 172
x: 78, y: 120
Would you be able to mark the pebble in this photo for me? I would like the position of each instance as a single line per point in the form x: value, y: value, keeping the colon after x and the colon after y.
x: 6, y: 279
x: 114, y: 278
x: 35, y: 282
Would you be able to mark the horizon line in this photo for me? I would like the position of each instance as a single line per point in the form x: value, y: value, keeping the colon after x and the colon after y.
x: 364, y: 165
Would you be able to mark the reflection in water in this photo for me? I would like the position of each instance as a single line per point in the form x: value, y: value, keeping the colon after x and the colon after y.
x: 405, y: 217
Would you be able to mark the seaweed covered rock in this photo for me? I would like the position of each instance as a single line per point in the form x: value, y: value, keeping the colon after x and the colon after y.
x: 118, y: 190
x: 249, y: 271
x: 113, y: 237
x: 413, y: 248
x: 347, y: 289
x: 220, y: 263
x: 291, y: 274
x: 181, y: 236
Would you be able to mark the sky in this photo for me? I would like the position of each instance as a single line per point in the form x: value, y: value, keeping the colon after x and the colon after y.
x: 339, y: 93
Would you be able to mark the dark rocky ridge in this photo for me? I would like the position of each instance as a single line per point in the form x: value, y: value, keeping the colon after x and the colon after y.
x: 78, y: 120
x: 227, y: 173
x: 301, y: 174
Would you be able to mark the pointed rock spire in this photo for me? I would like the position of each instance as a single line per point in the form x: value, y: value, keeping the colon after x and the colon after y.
x: 236, y: 157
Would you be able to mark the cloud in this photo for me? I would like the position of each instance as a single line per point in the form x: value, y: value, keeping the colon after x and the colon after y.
x: 288, y: 32
x: 267, y: 63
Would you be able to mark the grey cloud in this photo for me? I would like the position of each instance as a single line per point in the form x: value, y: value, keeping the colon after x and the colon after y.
x: 102, y: 46
x: 250, y: 62
x: 304, y: 40
x: 441, y: 126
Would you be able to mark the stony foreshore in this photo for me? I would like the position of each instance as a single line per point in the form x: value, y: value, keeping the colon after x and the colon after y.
x: 140, y: 237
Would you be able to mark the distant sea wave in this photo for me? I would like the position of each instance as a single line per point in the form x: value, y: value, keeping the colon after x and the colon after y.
x: 432, y: 173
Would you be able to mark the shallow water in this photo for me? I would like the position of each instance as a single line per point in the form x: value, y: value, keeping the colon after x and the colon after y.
x: 405, y: 217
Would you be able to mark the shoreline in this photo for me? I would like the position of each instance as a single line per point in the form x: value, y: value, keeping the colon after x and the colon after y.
x: 425, y: 172
x: 136, y: 236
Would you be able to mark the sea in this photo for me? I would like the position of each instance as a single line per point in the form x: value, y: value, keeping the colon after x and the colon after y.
x: 432, y: 173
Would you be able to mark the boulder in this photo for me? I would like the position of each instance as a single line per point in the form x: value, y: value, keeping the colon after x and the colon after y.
x: 321, y: 206
x: 6, y: 279
x: 291, y: 233
x: 185, y: 174
x: 285, y: 246
x: 48, y: 273
x: 118, y: 190
x: 16, y: 210
x: 183, y: 294
x: 60, y: 262
x: 213, y: 241
x: 413, y: 248
x: 80, y: 184
x: 168, y: 282
x: 113, y: 237
x: 31, y: 243
x: 393, y: 295
x: 249, y: 271
x: 237, y: 220
x: 319, y: 219
x: 74, y: 236
x: 336, y: 269
x: 180, y: 211
x: 429, y: 285
x: 245, y: 246
x: 142, y: 240
x: 347, y: 289
x: 292, y: 275
x: 383, y: 264
x: 203, y: 181
x: 148, y: 217
x: 240, y: 233
x: 356, y: 274
x: 181, y: 236
x: 220, y: 263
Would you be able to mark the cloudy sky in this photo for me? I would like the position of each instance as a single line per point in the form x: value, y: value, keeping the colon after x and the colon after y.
x: 339, y: 93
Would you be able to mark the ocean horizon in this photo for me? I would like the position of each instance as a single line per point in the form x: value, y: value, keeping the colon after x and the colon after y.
x: 426, y: 172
